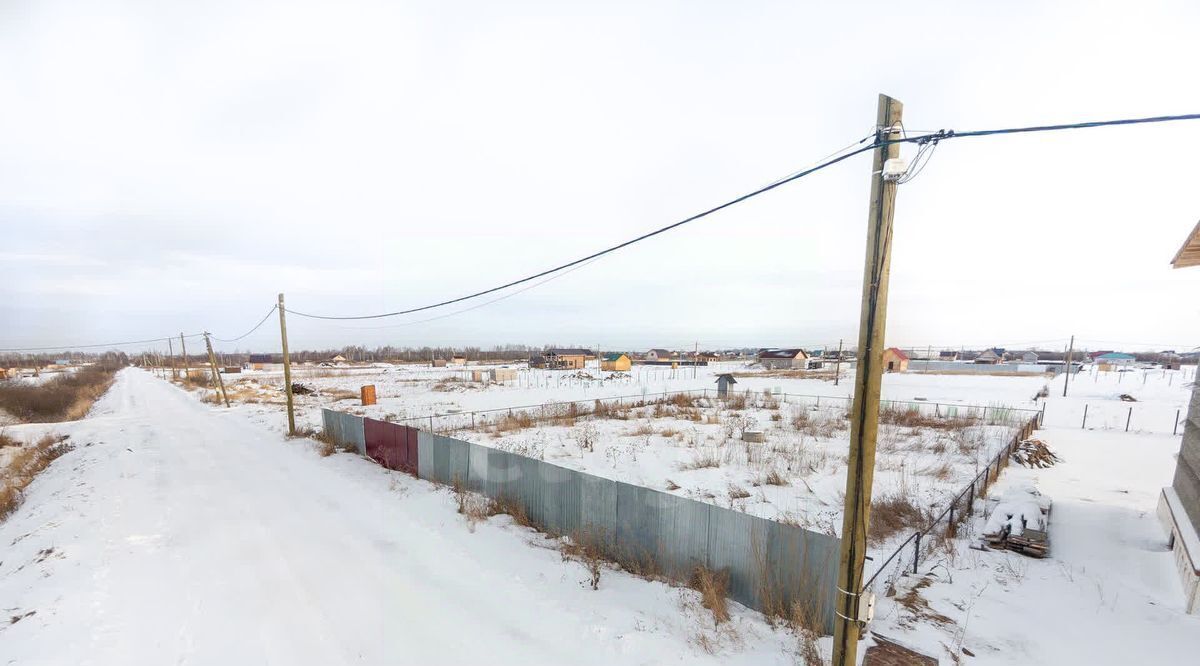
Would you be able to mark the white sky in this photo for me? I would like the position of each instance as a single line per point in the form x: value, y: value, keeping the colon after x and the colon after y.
x: 170, y: 166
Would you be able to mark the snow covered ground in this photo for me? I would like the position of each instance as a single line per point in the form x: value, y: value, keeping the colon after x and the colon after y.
x: 187, y: 533
x: 179, y: 533
x: 1107, y: 594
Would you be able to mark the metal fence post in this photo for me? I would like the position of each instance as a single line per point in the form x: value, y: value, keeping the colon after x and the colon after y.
x: 1042, y: 415
x: 1175, y: 428
x: 1084, y: 417
x: 916, y: 552
x: 1128, y: 419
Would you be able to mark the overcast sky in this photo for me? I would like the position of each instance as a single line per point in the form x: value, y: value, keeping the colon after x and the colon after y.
x: 171, y: 166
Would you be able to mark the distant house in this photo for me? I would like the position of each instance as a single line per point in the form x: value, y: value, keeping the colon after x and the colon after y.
x: 710, y: 356
x: 895, y: 360
x: 783, y: 359
x: 1171, y: 361
x: 988, y: 357
x: 438, y: 363
x: 537, y: 361
x: 260, y: 361
x: 615, y: 362
x: 948, y: 355
x: 1116, y: 358
x: 1029, y: 357
x: 338, y: 359
x: 567, y: 359
x: 659, y: 355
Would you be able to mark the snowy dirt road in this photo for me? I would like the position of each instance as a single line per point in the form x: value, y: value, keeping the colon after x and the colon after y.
x: 177, y: 533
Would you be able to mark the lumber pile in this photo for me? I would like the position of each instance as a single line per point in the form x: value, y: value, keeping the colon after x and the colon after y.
x: 1034, y: 453
x: 1019, y: 522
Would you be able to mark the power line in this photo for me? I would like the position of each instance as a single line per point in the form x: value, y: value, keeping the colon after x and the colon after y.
x: 922, y: 139
x: 93, y: 346
x: 256, y: 326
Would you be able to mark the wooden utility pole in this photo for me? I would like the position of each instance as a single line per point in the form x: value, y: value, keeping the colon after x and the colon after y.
x: 171, y: 351
x: 696, y: 360
x: 1067, y: 378
x: 287, y: 369
x: 837, y: 365
x: 864, y: 412
x: 212, y: 362
x: 183, y: 346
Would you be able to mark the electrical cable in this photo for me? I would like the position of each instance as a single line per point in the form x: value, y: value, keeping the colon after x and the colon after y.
x: 256, y: 326
x: 106, y: 344
x: 920, y: 139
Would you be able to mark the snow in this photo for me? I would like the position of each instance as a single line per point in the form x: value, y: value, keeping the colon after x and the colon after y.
x: 1018, y: 508
x: 1107, y: 594
x: 177, y: 532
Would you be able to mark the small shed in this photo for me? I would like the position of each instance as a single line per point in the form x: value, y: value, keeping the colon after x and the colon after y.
x: 438, y: 363
x: 615, y: 362
x: 458, y: 359
x: 895, y: 360
x: 724, y: 381
x: 1171, y: 361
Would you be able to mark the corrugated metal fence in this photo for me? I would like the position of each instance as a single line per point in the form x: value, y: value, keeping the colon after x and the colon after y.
x: 771, y: 565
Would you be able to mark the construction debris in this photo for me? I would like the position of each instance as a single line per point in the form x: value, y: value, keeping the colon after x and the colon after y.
x: 1019, y: 522
x: 301, y: 389
x: 1034, y: 453
x: 1125, y: 397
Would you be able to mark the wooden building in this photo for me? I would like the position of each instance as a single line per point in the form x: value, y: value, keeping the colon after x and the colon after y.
x: 895, y: 360
x: 615, y: 362
x: 566, y: 359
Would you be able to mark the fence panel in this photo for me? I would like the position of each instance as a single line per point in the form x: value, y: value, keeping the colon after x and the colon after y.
x: 684, y: 529
x: 637, y: 534
x: 738, y: 543
x: 560, y: 498
x: 442, y: 459
x: 345, y: 429
x: 598, y: 507
x: 803, y: 569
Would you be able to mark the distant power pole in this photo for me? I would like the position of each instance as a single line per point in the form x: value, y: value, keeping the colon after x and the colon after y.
x: 837, y: 365
x: 287, y: 369
x: 696, y: 360
x: 171, y: 351
x: 212, y: 363
x: 183, y: 347
x: 1067, y: 378
x: 864, y: 411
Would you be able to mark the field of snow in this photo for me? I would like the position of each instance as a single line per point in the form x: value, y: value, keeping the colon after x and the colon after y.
x: 691, y: 445
x: 180, y: 533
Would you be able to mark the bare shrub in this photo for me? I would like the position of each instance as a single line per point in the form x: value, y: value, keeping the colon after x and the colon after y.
x: 513, y: 421
x: 325, y: 448
x: 586, y: 436
x: 737, y: 492
x: 893, y: 513
x: 584, y: 546
x: 64, y: 398
x: 735, y: 402
x: 671, y: 485
x: 641, y: 429
x: 712, y: 586
x: 509, y: 507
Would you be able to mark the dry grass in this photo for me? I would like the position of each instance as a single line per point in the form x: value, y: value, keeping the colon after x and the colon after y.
x: 585, y: 547
x: 912, y: 417
x: 893, y: 513
x: 701, y: 460
x: 712, y: 586
x: 774, y: 478
x: 64, y: 398
x: 23, y: 466
x: 738, y: 492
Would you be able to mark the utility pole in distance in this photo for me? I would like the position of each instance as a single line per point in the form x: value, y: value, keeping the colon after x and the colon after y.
x: 212, y: 363
x: 864, y: 412
x: 287, y: 369
x: 183, y: 346
x: 171, y: 351
x: 1067, y: 378
x: 837, y: 365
